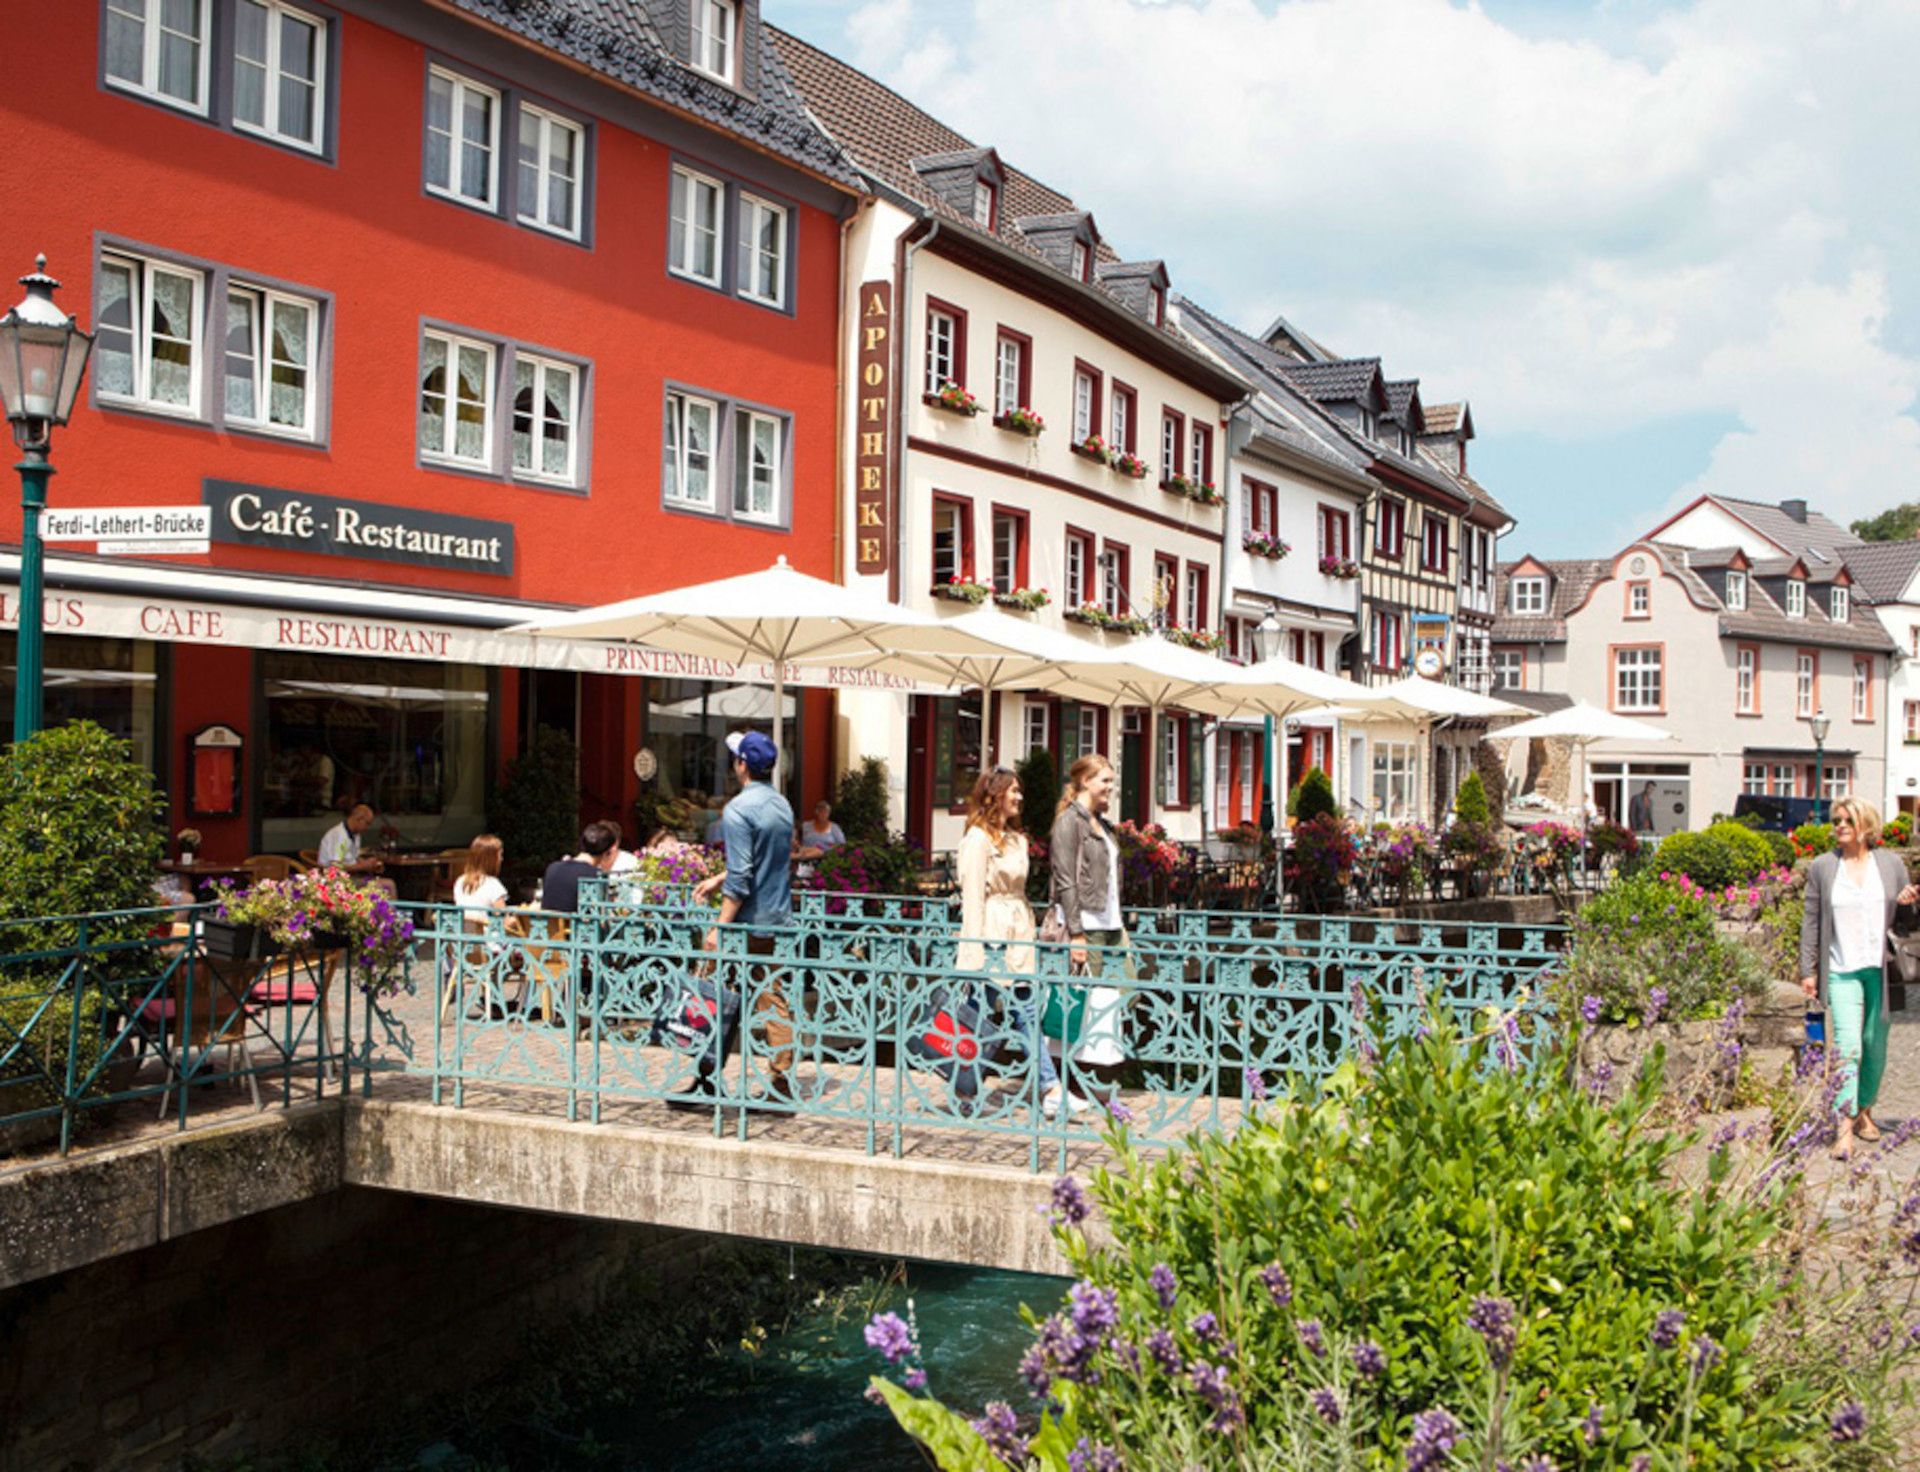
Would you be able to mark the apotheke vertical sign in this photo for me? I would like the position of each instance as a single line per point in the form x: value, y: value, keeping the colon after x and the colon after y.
x: 873, y: 424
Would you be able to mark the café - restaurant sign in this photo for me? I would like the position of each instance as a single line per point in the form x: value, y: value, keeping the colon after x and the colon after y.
x: 872, y: 427
x: 299, y: 521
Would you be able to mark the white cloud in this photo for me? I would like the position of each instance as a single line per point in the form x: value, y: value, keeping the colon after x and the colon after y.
x: 1712, y: 212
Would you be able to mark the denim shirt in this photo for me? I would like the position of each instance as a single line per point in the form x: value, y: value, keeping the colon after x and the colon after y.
x: 758, y: 831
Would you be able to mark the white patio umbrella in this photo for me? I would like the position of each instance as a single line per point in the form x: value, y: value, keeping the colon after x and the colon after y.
x: 778, y: 615
x: 1583, y: 725
x: 1425, y: 702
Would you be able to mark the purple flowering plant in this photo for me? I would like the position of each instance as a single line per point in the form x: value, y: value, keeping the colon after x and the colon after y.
x: 327, y: 909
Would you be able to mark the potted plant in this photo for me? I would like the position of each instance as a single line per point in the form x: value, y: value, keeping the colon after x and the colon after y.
x: 1339, y: 567
x: 189, y: 841
x: 962, y: 590
x: 955, y: 399
x: 322, y: 909
x: 1205, y: 492
x: 1129, y: 464
x: 1021, y: 420
x: 1024, y: 600
x: 1094, y: 448
x: 1206, y: 643
x: 1261, y: 545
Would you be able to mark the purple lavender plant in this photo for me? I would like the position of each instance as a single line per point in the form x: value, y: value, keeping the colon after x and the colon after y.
x: 1493, y: 1320
x: 1165, y: 1286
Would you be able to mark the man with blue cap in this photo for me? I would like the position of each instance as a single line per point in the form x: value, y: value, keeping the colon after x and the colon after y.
x: 756, y: 892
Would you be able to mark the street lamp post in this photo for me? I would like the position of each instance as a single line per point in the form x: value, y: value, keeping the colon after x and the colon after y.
x: 1266, y: 645
x: 43, y: 357
x: 1819, y: 724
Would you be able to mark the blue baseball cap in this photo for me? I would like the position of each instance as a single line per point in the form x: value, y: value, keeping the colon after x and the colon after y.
x: 754, y: 748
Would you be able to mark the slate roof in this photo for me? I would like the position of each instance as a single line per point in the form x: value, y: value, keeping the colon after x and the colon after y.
x: 1818, y: 533
x: 1401, y: 394
x: 1567, y: 588
x: 1882, y: 570
x: 618, y: 40
x: 1344, y: 380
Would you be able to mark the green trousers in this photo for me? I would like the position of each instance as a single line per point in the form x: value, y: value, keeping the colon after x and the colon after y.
x: 1859, y: 1036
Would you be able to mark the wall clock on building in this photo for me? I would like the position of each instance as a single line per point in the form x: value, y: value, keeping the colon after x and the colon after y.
x: 645, y: 764
x: 1427, y: 663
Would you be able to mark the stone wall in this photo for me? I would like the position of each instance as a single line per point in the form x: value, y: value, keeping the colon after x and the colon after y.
x: 290, y: 1323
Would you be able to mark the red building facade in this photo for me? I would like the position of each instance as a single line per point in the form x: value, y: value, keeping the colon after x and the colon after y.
x: 448, y: 313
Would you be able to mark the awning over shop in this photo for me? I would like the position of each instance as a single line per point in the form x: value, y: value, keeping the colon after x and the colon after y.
x: 172, y: 604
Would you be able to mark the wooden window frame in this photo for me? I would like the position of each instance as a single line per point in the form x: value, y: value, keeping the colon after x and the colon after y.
x: 929, y: 390
x: 1006, y: 334
x: 1614, y: 651
x: 1195, y: 620
x: 1398, y: 549
x: 1861, y: 662
x: 1444, y: 561
x: 1330, y: 518
x: 1642, y: 585
x: 1089, y: 565
x: 1172, y: 419
x: 1116, y: 392
x: 964, y: 504
x: 1096, y: 423
x: 1813, y: 683
x: 1022, y: 554
x: 1200, y: 451
x: 1165, y: 563
x: 1752, y: 708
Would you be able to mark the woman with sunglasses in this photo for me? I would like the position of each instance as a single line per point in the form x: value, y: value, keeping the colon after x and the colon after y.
x: 1852, y: 895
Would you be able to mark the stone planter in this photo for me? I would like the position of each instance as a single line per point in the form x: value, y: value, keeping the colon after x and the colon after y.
x: 1770, y: 1034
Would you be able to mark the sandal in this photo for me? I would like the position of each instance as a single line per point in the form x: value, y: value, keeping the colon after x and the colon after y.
x: 1867, y: 1130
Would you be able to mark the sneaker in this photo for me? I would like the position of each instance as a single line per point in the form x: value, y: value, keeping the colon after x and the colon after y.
x: 1050, y: 1104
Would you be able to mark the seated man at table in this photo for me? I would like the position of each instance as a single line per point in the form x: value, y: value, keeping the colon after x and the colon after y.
x: 340, y: 848
x: 599, y: 849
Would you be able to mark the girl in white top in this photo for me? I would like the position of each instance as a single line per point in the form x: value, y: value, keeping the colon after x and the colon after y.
x: 478, y: 891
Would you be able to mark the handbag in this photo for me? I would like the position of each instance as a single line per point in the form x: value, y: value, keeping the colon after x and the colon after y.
x: 1064, y: 1016
x: 1053, y: 929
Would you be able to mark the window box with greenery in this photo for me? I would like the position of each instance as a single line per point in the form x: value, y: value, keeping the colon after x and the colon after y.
x: 1129, y: 464
x: 959, y: 590
x: 1093, y: 615
x: 1339, y: 567
x: 1264, y: 546
x: 1024, y: 600
x: 1021, y: 420
x: 955, y: 399
x: 1199, y: 639
x: 1094, y: 448
x: 1205, y: 492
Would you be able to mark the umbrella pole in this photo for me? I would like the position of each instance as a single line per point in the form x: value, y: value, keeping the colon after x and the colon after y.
x: 779, y: 723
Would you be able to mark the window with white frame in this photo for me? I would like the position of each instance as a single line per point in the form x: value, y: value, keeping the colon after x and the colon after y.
x: 692, y: 432
x: 1078, y: 560
x: 1336, y: 533
x: 757, y: 456
x: 1200, y: 452
x: 1786, y: 779
x: 949, y: 543
x: 1836, y: 781
x: 1736, y: 591
x: 1388, y: 651
x: 1804, y: 672
x: 1509, y: 669
x: 463, y: 139
x: 1911, y: 723
x: 1082, y: 404
x: 1796, y: 598
x: 1754, y: 780
x: 1392, y: 780
x: 1839, y: 604
x: 546, y: 412
x: 147, y: 330
x: 1079, y: 261
x: 763, y: 251
x: 1087, y: 728
x: 1009, y: 371
x: 268, y: 370
x: 1638, y: 682
x: 279, y: 66
x: 696, y: 210
x: 1528, y: 595
x: 456, y: 400
x: 549, y: 158
x: 1156, y: 306
x: 159, y: 48
x: 1169, y: 446
x: 1009, y: 531
x: 1746, y: 677
x: 1639, y: 600
x: 1113, y: 589
x: 1862, y: 690
x: 943, y: 343
x: 1196, y: 599
x: 1172, y: 791
x: 1120, y: 420
x: 1035, y: 723
x: 713, y: 37
x: 983, y: 204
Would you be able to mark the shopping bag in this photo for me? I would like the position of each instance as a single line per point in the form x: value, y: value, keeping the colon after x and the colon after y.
x: 700, y: 1013
x: 1064, y: 1017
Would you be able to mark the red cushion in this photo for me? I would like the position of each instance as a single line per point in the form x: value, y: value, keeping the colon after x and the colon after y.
x: 277, y: 994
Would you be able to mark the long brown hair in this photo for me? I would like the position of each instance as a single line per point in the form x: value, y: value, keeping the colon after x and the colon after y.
x: 483, y: 860
x: 1078, y: 775
x: 986, y: 803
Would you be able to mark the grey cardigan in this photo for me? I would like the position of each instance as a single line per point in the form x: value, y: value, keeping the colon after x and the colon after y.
x: 1082, y: 875
x: 1816, y: 922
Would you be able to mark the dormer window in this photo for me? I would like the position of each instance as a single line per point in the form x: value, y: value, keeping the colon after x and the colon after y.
x: 1839, y: 605
x: 1796, y: 598
x: 1736, y: 591
x: 713, y: 38
x: 983, y: 203
x: 1529, y: 595
x: 1156, y: 306
x: 1080, y: 259
x: 1366, y: 423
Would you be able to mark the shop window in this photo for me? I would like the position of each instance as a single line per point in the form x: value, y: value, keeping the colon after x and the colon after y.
x: 407, y: 736
x: 1392, y: 780
x: 687, y: 725
x: 112, y: 682
x: 957, y: 745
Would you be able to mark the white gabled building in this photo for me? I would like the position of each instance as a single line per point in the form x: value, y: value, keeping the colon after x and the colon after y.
x: 1887, y: 574
x: 977, y: 302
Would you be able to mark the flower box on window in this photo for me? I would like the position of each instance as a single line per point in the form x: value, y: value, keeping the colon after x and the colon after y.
x: 1199, y: 639
x: 1205, y: 492
x: 1024, y: 600
x: 1094, y: 448
x: 962, y: 591
x: 955, y: 399
x: 1178, y: 485
x: 1264, y: 546
x: 1093, y: 615
x: 1339, y: 567
x: 1021, y: 421
x: 1128, y: 463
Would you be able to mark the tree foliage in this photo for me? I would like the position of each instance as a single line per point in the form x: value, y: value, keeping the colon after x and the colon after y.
x: 536, y: 808
x: 1470, y: 802
x: 1313, y: 797
x: 860, y: 803
x: 1896, y: 524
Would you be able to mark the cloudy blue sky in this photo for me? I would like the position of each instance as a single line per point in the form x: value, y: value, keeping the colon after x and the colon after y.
x: 1661, y: 248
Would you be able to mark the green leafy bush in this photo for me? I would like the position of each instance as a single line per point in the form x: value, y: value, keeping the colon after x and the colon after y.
x: 860, y: 803
x: 865, y: 867
x: 1320, y: 862
x: 1312, y: 797
x: 1898, y: 830
x: 1442, y: 1245
x: 536, y: 808
x: 1643, y: 935
x: 1470, y: 802
x: 1810, y: 840
x: 1725, y: 853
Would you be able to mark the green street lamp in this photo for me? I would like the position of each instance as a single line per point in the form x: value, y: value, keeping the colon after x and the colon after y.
x: 1819, y: 723
x: 43, y: 357
x: 1267, y: 638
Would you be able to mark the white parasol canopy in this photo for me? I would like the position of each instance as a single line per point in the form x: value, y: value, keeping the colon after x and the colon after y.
x: 1583, y: 725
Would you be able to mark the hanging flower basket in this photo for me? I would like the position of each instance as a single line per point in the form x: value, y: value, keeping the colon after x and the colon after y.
x: 1021, y: 421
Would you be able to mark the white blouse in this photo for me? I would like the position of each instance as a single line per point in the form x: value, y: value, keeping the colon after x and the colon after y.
x: 1110, y: 918
x: 1859, y: 919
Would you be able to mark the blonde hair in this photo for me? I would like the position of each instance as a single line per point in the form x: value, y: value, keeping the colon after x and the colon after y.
x: 1079, y: 775
x: 483, y: 860
x: 1864, y: 816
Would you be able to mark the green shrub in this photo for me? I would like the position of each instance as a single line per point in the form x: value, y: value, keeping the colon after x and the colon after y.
x: 1810, y: 840
x: 1644, y: 934
x: 1470, y: 802
x: 860, y: 803
x: 1726, y: 853
x: 1898, y: 830
x: 1781, y: 845
x: 862, y: 866
x: 535, y: 810
x: 1313, y: 797
x: 1385, y: 1212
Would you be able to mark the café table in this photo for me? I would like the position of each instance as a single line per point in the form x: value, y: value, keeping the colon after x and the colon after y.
x: 412, y: 874
x: 201, y: 874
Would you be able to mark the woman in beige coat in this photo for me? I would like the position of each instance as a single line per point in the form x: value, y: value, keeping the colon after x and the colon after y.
x: 993, y: 907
